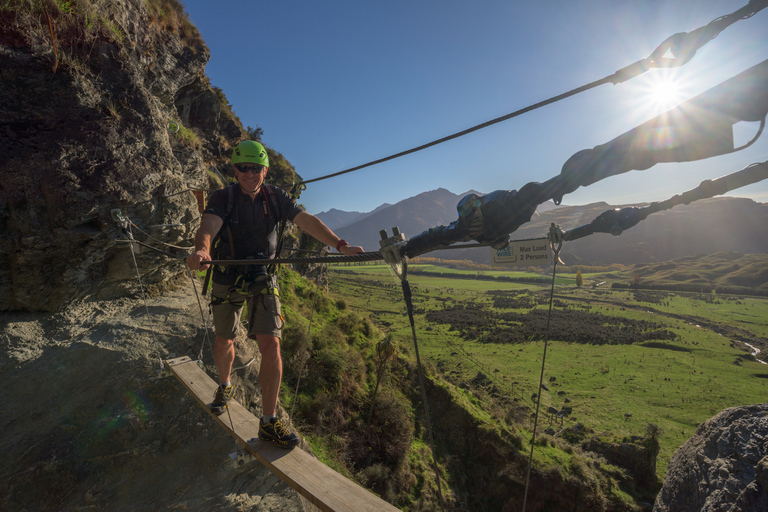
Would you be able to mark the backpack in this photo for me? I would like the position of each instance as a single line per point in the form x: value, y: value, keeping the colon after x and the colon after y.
x: 272, y: 200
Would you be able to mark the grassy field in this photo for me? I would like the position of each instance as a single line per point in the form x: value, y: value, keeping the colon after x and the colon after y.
x: 614, y: 389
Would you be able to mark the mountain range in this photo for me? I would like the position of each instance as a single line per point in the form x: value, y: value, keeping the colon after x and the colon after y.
x: 703, y: 227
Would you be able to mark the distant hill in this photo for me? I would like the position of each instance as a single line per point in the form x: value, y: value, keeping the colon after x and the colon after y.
x: 722, y: 270
x: 708, y: 226
x: 413, y: 216
x: 704, y: 227
x: 336, y: 219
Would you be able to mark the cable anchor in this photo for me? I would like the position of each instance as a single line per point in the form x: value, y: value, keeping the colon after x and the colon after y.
x: 390, y: 246
x: 555, y: 237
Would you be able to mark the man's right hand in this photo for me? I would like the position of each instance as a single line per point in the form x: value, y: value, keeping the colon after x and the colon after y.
x: 194, y: 260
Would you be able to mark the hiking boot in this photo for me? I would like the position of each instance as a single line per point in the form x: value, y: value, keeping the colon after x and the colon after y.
x: 223, y: 395
x: 275, y: 431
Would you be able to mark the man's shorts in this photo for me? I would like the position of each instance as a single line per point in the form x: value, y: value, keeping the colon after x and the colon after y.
x: 264, y: 313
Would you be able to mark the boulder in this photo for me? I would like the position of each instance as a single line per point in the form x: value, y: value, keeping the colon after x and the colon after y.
x: 723, y: 466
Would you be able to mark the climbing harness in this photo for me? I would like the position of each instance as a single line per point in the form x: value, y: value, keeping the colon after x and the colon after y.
x: 555, y: 238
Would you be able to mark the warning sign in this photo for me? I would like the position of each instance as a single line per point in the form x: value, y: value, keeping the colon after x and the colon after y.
x: 523, y: 253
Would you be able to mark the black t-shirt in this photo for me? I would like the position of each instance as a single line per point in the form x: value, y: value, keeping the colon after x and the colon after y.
x: 253, y: 224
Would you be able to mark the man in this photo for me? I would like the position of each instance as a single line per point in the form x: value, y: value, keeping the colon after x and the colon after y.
x: 240, y: 222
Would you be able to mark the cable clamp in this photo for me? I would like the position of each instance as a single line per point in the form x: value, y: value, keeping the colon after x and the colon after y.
x: 555, y: 237
x: 390, y: 246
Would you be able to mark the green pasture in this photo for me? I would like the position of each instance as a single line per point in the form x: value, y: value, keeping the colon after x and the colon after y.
x: 615, y: 390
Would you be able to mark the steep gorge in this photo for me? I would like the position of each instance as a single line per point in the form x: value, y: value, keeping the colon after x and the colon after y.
x: 84, y: 131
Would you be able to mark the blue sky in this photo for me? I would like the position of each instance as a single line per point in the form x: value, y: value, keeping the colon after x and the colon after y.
x: 336, y: 84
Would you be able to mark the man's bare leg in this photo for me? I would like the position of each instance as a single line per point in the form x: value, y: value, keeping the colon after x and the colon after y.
x: 270, y: 373
x: 224, y: 354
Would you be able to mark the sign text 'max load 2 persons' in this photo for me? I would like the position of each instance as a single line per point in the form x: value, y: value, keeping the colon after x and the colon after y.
x: 523, y: 253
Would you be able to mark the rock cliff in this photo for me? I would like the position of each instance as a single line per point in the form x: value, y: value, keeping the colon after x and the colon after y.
x: 85, y: 104
x: 723, y: 466
x: 88, y: 92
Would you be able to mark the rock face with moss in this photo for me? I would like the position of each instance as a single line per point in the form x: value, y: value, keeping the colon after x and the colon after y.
x: 87, y: 91
x: 723, y: 466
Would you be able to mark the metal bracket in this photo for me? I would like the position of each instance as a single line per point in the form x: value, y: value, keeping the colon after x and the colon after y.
x: 240, y: 458
x: 163, y: 373
x: 390, y: 246
x: 117, y: 217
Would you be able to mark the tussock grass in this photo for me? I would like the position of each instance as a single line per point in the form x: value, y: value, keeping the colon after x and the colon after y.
x: 613, y: 389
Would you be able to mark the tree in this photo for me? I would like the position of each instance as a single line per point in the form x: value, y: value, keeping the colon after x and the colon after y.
x: 579, y: 279
x: 254, y: 133
x: 636, y: 281
x: 385, y: 350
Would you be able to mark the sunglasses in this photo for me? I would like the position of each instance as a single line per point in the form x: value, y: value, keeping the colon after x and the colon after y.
x: 256, y: 169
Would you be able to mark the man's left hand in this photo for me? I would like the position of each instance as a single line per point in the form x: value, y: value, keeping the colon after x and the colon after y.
x: 349, y: 250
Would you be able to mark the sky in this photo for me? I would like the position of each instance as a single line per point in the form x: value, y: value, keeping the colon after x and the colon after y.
x: 337, y: 84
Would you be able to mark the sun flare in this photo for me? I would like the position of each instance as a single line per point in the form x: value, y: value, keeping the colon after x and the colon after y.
x: 666, y: 94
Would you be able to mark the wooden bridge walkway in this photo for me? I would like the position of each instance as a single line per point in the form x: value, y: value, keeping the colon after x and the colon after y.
x: 323, y: 487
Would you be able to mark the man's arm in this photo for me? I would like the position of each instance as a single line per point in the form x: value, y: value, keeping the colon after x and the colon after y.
x: 317, y: 229
x: 209, y: 227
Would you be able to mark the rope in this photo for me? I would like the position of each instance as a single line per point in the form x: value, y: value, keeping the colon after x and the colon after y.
x: 206, y: 337
x: 363, y: 256
x: 152, y: 248
x: 467, y: 131
x: 556, y: 243
x: 126, y: 225
x: 160, y: 241
x: 144, y: 296
x: 682, y: 46
x: 407, y: 295
x: 616, y: 221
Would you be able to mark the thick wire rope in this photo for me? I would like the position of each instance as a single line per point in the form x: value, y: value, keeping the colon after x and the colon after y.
x: 144, y: 297
x: 160, y: 241
x: 335, y: 258
x: 467, y: 131
x: 682, y: 46
x: 556, y: 243
x: 206, y: 337
x: 407, y: 295
x: 127, y: 224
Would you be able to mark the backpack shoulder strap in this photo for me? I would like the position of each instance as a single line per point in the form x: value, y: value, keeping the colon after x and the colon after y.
x: 269, y: 190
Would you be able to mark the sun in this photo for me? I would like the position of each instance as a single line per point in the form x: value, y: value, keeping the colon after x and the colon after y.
x: 665, y: 93
x: 657, y: 92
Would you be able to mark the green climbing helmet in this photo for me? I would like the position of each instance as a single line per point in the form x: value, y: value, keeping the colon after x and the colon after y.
x: 250, y: 152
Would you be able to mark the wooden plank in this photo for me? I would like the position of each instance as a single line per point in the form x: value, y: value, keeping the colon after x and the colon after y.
x: 323, y: 487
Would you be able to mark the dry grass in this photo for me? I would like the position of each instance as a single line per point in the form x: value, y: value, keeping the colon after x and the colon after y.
x: 72, y: 28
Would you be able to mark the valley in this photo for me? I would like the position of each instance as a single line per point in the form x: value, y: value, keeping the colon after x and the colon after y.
x: 620, y: 358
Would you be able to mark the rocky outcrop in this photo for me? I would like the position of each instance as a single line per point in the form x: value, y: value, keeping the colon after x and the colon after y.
x: 723, y: 466
x: 84, y: 131
x: 87, y: 425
